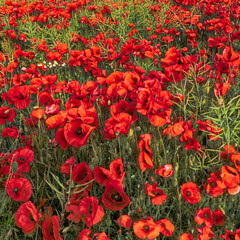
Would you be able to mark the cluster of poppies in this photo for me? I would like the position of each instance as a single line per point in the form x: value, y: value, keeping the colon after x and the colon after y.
x: 119, y: 96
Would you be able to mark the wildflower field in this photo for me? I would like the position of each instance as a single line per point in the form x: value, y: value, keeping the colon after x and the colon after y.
x: 119, y: 120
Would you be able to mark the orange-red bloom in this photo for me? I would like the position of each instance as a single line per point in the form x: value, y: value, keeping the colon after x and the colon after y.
x: 165, y: 171
x: 166, y: 227
x: 145, y: 153
x: 190, y: 192
x: 125, y: 221
x: 146, y: 229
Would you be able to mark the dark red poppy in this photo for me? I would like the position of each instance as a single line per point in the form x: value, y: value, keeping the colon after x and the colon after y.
x: 74, y: 213
x: 20, y: 96
x: 11, y: 132
x: 82, y: 175
x: 90, y: 211
x: 218, y: 217
x: 27, y: 217
x: 23, y: 157
x: 20, y: 189
x: 76, y: 132
x: 65, y: 168
x: 6, y: 114
x: 190, y: 192
x: 116, y: 169
x: 229, y: 235
x: 102, y: 175
x: 114, y: 198
x: 61, y: 139
x: 50, y: 228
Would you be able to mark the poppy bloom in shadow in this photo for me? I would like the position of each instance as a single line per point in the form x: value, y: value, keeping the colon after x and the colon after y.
x: 114, y: 198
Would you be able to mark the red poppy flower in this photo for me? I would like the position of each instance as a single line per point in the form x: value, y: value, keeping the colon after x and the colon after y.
x: 61, y: 139
x: 205, y: 233
x: 50, y: 229
x: 6, y: 114
x: 56, y: 121
x: 74, y: 213
x: 27, y: 217
x: 230, y: 178
x: 90, y: 211
x: 23, y: 156
x: 114, y: 198
x: 186, y: 236
x: 100, y: 236
x: 158, y: 196
x: 218, y: 217
x: 20, y: 96
x: 83, y: 235
x: 146, y: 229
x: 76, y: 132
x: 204, y: 216
x: 65, y: 168
x: 45, y: 98
x: 116, y: 170
x: 81, y: 174
x: 102, y: 175
x: 123, y: 106
x: 166, y: 227
x: 11, y: 132
x: 230, y: 56
x: 145, y: 153
x: 215, y: 186
x: 116, y: 125
x: 228, y: 235
x: 38, y: 113
x: 20, y: 189
x: 125, y: 221
x: 190, y: 192
x: 165, y: 171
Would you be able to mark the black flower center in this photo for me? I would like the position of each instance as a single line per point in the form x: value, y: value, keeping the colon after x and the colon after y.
x: 79, y: 131
x: 22, y: 159
x: 213, y: 184
x: 156, y: 193
x: 116, y: 197
x: 188, y: 193
x: 15, y: 190
x: 146, y: 228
